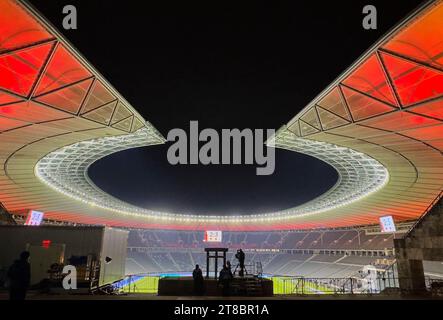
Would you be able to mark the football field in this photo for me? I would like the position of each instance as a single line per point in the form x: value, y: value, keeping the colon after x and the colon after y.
x: 143, y: 284
x: 282, y: 285
x: 290, y: 285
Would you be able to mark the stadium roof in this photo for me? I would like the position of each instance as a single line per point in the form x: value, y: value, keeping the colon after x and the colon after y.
x: 380, y: 125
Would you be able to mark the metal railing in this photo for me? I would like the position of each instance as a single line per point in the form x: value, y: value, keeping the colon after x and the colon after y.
x: 254, y: 268
x: 287, y: 285
x: 138, y: 283
x: 351, y: 286
x: 304, y: 286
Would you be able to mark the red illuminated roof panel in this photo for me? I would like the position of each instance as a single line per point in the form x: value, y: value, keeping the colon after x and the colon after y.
x: 400, y: 121
x: 369, y: 78
x: 414, y: 83
x: 432, y: 109
x: 19, y: 69
x: 363, y: 106
x: 438, y: 144
x: 18, y: 28
x: 68, y: 98
x: 426, y: 134
x: 63, y: 69
x: 6, y: 98
x: 8, y: 124
x: 421, y: 39
x: 32, y: 112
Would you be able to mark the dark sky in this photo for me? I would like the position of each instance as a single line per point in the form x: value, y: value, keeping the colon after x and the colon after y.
x: 253, y: 65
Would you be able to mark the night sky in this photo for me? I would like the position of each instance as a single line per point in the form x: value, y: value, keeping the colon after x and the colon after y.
x: 227, y: 66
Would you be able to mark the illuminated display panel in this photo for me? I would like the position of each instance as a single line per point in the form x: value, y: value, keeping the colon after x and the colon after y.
x: 387, y: 224
x: 34, y: 218
x: 212, y: 236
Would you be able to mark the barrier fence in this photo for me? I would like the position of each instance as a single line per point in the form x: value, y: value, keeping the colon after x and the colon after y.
x: 305, y: 286
x: 287, y: 285
x: 140, y: 283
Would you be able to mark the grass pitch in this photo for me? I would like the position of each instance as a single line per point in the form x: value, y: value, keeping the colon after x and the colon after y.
x: 282, y: 285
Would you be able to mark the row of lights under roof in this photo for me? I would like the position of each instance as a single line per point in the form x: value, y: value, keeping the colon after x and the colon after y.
x: 144, y: 213
x: 205, y: 218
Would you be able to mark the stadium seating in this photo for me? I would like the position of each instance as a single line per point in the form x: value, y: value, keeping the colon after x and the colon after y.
x: 332, y: 239
x: 306, y: 265
x: 298, y: 253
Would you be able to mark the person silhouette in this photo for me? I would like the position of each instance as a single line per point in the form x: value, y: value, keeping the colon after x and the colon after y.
x: 224, y: 279
x: 228, y: 265
x: 241, y: 260
x: 199, y: 283
x: 19, y: 277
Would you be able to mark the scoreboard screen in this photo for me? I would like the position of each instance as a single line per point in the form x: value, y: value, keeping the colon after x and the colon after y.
x: 212, y: 236
x: 34, y: 218
x: 387, y: 224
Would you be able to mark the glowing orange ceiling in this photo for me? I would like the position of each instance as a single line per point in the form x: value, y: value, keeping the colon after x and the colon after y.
x: 388, y: 105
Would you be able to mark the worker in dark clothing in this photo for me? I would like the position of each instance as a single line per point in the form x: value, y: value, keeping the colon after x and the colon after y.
x: 224, y: 279
x: 228, y: 265
x: 199, y: 283
x: 240, y: 255
x: 19, y: 277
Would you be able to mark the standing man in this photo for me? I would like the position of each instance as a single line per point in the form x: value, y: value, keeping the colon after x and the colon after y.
x: 228, y: 265
x: 19, y: 276
x: 241, y: 260
x: 199, y: 284
x: 224, y: 279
